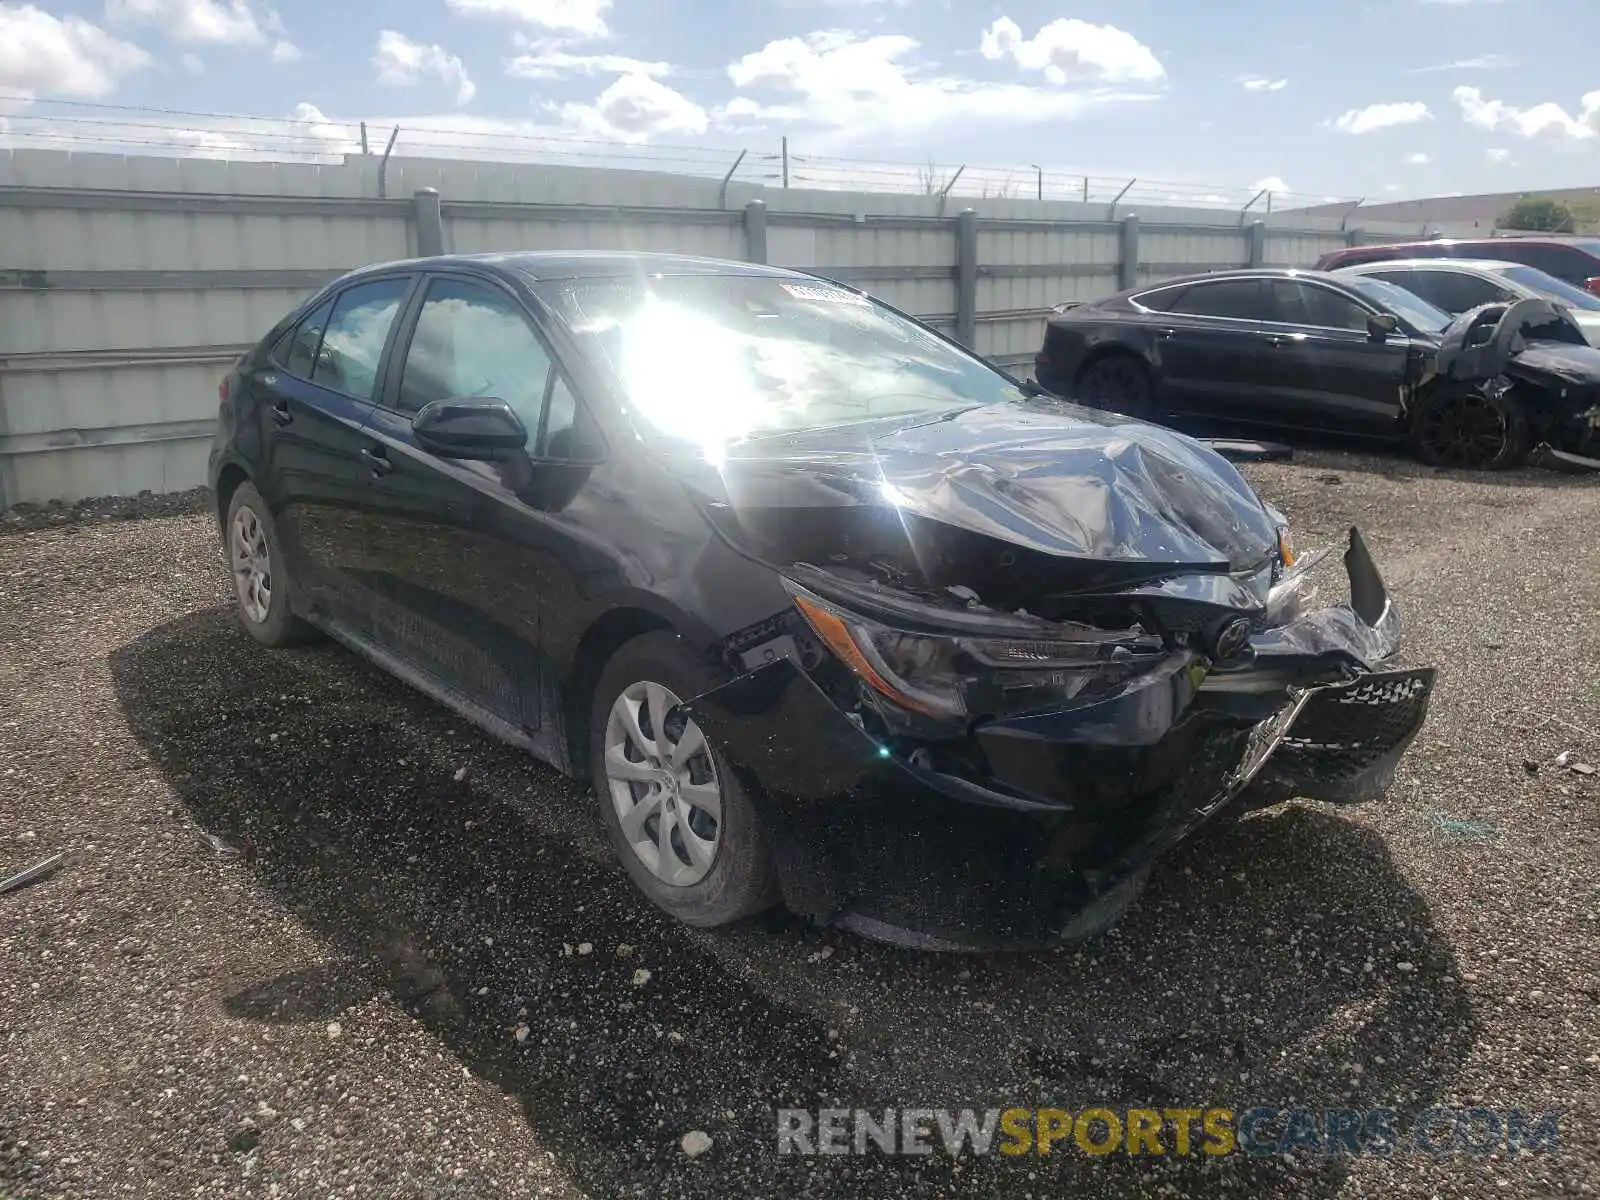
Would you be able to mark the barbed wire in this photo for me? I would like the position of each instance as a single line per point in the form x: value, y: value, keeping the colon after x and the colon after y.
x: 84, y: 126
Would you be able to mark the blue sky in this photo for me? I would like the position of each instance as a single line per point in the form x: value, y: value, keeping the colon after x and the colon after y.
x: 1336, y: 97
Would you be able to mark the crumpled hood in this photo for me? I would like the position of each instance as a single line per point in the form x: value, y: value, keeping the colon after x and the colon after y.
x: 1003, y: 499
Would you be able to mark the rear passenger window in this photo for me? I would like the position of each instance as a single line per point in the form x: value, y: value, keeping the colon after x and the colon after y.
x: 352, y: 345
x: 1244, y: 298
x: 296, y: 351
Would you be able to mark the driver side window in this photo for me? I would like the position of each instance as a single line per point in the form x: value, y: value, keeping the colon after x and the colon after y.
x: 472, y: 341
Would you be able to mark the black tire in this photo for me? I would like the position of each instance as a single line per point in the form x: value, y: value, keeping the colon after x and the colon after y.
x: 1118, y: 383
x: 741, y: 879
x: 272, y: 624
x: 1465, y: 427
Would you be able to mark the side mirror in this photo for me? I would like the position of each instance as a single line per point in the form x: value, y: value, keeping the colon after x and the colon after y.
x: 1381, y: 326
x: 476, y: 428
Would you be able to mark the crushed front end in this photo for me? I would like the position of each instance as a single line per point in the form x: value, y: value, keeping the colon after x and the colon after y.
x: 935, y: 772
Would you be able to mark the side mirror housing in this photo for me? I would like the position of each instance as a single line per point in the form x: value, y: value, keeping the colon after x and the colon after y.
x: 475, y: 428
x: 1381, y: 326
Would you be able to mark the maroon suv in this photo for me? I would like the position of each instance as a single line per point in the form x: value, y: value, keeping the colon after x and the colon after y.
x: 1574, y: 259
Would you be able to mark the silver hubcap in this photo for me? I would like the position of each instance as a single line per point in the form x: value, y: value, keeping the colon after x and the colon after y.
x: 663, y: 785
x: 252, y: 564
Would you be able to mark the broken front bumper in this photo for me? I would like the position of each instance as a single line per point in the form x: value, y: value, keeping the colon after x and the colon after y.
x: 1057, y: 834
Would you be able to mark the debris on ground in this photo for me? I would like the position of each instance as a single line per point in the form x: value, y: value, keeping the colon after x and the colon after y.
x: 39, y: 870
x: 695, y: 1143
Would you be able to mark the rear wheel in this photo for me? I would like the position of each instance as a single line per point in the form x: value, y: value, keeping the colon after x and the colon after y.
x: 1118, y: 383
x: 679, y: 821
x: 1466, y: 427
x: 260, y: 580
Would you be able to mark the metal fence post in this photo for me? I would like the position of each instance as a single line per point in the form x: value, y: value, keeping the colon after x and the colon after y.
x: 1128, y: 267
x: 967, y: 278
x: 1354, y: 237
x: 1258, y: 243
x: 430, y: 223
x: 755, y: 231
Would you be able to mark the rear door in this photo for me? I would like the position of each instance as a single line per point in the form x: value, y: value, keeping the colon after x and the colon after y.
x: 1326, y: 370
x: 1210, y: 348
x: 458, y: 556
x: 314, y: 396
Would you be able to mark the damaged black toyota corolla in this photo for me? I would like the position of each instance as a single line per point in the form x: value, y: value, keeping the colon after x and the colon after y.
x: 829, y: 610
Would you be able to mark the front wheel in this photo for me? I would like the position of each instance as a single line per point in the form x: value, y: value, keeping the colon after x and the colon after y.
x: 1460, y: 426
x: 674, y: 810
x: 1119, y: 383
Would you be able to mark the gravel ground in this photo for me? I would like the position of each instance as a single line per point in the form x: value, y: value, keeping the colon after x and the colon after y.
x: 316, y: 936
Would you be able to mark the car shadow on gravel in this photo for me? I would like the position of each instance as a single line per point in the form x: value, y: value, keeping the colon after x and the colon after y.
x: 1280, y: 961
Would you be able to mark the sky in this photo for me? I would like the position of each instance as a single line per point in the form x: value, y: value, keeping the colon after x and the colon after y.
x: 1314, y: 97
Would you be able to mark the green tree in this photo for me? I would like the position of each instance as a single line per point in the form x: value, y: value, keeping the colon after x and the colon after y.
x: 1542, y: 214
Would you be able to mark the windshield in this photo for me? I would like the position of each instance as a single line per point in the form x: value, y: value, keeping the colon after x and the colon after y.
x: 1549, y: 285
x: 1408, y: 306
x: 715, y: 358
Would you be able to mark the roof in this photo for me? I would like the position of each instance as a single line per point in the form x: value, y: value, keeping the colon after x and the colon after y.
x: 1494, y: 265
x: 569, y: 264
x: 1243, y: 273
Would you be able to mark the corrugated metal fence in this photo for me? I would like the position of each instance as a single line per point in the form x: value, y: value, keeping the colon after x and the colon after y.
x: 128, y: 284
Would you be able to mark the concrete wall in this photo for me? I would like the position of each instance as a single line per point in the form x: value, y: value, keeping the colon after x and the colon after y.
x: 127, y: 285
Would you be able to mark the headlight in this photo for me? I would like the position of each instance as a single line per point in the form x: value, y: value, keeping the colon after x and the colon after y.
x: 995, y: 663
x: 1286, y: 553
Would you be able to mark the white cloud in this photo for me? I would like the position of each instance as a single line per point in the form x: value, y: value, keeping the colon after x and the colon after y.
x: 284, y: 51
x: 1497, y: 155
x: 635, y: 108
x: 1272, y: 183
x: 586, y: 17
x: 1068, y: 50
x: 1382, y: 116
x: 1482, y: 62
x: 550, y: 59
x: 43, y: 53
x: 224, y: 21
x: 856, y: 86
x: 1542, y: 120
x: 192, y: 63
x: 400, y: 62
x: 1418, y: 159
x: 1260, y: 83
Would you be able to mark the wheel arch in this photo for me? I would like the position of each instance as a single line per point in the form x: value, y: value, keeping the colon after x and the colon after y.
x: 1100, y: 352
x: 228, y: 481
x: 604, y: 637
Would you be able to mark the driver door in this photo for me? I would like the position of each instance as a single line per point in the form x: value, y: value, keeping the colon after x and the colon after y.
x: 457, y: 552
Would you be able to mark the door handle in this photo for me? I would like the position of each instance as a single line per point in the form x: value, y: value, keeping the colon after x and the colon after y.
x: 1276, y: 340
x: 1166, y: 335
x: 280, y: 412
x: 377, y: 459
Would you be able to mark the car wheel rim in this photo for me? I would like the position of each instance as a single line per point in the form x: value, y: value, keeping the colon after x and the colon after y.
x: 252, y: 564
x: 663, y: 785
x: 1465, y: 431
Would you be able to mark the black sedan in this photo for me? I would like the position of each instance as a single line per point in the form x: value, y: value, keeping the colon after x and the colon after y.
x: 1306, y: 350
x: 828, y: 609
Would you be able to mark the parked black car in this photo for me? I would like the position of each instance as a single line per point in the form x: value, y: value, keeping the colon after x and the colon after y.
x: 827, y: 608
x: 1344, y: 353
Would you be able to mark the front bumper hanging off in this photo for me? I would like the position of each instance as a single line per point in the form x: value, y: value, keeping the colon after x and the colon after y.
x: 1057, y: 838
